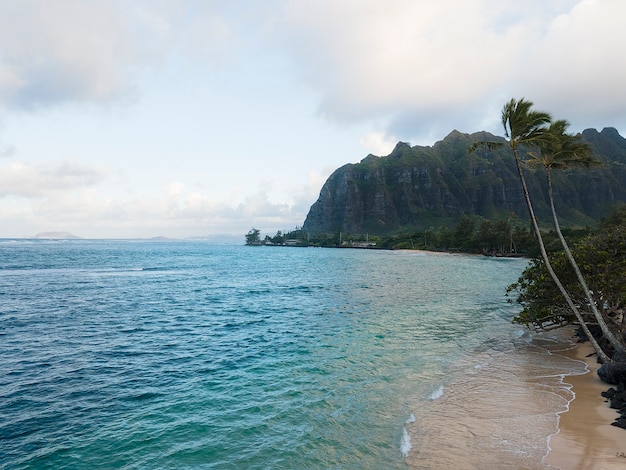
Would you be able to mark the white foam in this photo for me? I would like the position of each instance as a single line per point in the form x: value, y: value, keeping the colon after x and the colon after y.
x: 436, y: 394
x: 570, y: 388
x: 405, y: 445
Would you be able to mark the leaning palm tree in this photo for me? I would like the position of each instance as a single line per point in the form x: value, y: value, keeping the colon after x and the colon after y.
x: 560, y: 150
x: 524, y: 126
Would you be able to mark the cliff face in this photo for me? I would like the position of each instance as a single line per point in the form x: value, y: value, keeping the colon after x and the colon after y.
x: 419, y: 187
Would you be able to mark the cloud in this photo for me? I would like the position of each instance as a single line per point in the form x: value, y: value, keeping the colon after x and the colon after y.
x: 66, y: 195
x: 40, y: 181
x: 378, y: 143
x: 373, y: 58
x: 67, y: 50
x: 94, y: 51
x: 186, y: 213
x: 417, y: 64
x: 89, y: 51
x: 438, y: 65
x: 577, y: 65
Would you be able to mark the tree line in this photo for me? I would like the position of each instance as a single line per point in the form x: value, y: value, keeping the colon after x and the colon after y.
x: 472, y: 234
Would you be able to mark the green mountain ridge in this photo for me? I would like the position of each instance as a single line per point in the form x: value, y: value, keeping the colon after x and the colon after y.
x: 418, y: 187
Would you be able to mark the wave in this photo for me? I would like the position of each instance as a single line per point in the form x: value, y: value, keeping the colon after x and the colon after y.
x: 405, y: 444
x: 498, y: 404
x: 565, y: 346
x: 437, y: 393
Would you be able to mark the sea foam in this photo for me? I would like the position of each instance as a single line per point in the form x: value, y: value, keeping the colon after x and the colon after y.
x: 405, y: 444
x: 436, y: 394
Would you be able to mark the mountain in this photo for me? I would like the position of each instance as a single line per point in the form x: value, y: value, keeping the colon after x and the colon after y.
x: 421, y: 186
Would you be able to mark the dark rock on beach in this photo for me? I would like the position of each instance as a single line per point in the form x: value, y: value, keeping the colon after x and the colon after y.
x: 617, y: 401
x: 620, y: 422
x: 612, y: 372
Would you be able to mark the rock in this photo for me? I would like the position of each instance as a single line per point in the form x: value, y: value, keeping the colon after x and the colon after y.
x: 610, y: 393
x: 617, y: 402
x: 620, y: 422
x: 619, y: 357
x: 612, y: 372
x: 617, y: 399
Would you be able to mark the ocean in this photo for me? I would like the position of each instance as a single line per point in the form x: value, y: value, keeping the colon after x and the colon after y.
x: 186, y: 354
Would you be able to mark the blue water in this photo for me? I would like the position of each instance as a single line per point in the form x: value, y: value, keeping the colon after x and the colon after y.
x: 181, y: 354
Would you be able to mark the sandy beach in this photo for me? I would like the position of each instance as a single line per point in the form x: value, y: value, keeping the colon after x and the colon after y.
x: 586, y: 439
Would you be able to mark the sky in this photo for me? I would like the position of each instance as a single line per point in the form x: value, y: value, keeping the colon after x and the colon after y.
x: 190, y: 118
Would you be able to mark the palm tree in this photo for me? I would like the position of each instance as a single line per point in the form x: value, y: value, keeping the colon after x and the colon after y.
x: 560, y: 150
x: 524, y: 126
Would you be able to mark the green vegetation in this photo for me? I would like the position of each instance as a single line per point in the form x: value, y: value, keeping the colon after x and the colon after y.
x: 601, y: 257
x: 253, y: 237
x: 415, y: 188
x: 552, y: 148
x: 472, y: 235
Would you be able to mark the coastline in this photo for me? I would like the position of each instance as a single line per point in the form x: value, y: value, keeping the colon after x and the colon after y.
x: 586, y: 439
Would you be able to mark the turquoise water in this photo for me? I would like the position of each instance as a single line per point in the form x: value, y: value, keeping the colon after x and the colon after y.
x: 180, y: 354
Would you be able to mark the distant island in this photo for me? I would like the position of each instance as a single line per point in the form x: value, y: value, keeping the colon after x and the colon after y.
x: 55, y: 236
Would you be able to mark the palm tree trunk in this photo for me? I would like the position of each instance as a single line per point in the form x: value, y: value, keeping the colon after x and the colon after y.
x: 604, y: 358
x: 608, y: 334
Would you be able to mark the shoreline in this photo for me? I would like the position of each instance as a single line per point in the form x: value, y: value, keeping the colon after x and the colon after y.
x: 586, y: 439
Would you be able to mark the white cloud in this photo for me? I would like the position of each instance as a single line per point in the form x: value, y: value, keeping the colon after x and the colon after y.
x: 95, y: 51
x: 577, y: 65
x: 414, y: 61
x: 38, y: 181
x: 375, y: 57
x: 442, y: 64
x: 73, y: 197
x: 378, y: 143
x: 66, y: 50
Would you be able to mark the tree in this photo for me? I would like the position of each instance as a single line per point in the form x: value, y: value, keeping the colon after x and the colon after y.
x: 602, y: 260
x: 253, y: 237
x: 560, y: 150
x: 464, y: 232
x: 525, y: 126
x: 278, y: 239
x: 483, y: 238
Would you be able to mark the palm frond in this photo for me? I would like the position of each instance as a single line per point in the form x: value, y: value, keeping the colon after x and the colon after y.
x: 521, y: 124
x: 560, y: 150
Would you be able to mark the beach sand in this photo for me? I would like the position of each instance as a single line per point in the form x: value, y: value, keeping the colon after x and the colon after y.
x: 586, y: 439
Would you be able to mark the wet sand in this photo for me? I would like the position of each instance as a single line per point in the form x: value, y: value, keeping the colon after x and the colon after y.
x: 586, y: 439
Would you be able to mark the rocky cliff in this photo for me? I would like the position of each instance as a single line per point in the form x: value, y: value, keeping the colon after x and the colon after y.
x: 419, y: 187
